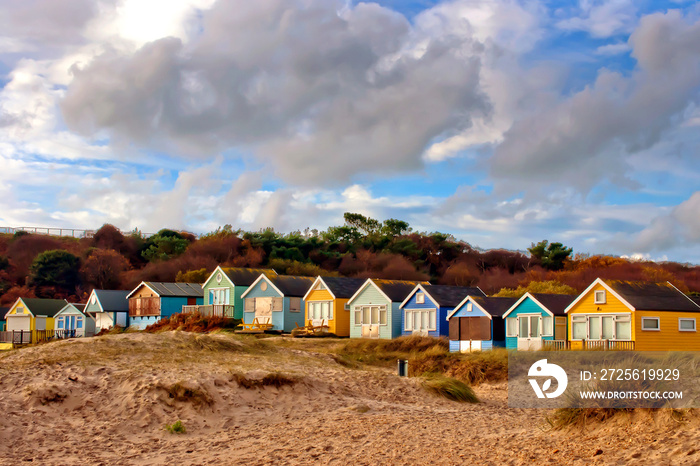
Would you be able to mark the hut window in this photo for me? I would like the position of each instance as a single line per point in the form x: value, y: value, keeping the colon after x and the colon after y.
x: 547, y: 326
x: 420, y: 298
x: 511, y: 327
x: 579, y: 327
x: 432, y: 325
x: 686, y: 325
x: 294, y: 304
x: 250, y: 305
x: 408, y: 320
x: 623, y: 328
x: 600, y: 297
x: 278, y: 305
x: 382, y: 315
x: 469, y: 306
x: 346, y: 307
x: 59, y: 322
x: 651, y: 324
x: 79, y: 323
x: 358, y: 316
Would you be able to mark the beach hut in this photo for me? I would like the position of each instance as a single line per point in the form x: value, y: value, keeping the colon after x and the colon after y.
x: 537, y: 320
x: 72, y: 321
x: 476, y: 324
x: 33, y: 318
x: 376, y: 308
x: 627, y: 315
x: 276, y: 300
x: 223, y: 291
x: 151, y: 301
x: 425, y: 309
x: 33, y: 314
x: 327, y: 303
x: 109, y: 308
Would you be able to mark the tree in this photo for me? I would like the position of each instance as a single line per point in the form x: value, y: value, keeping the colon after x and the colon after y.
x: 365, y: 225
x: 552, y: 256
x: 164, y: 245
x: 54, y: 269
x: 103, y: 268
x: 192, y: 276
x: 393, y: 227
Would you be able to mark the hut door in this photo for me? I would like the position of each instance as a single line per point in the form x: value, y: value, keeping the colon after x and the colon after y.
x: 529, y: 338
x: 370, y: 322
x: 263, y: 310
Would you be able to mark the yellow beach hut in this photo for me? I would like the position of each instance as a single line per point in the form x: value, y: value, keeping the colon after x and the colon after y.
x: 32, y: 315
x: 625, y: 315
x: 326, y: 303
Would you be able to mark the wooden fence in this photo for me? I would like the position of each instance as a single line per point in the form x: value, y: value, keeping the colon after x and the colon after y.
x: 605, y: 345
x: 210, y: 310
x: 26, y: 337
x: 555, y: 345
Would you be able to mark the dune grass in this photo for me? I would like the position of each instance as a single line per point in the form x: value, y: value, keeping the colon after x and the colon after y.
x: 273, y: 379
x: 448, y: 387
x: 192, y: 322
x: 471, y: 368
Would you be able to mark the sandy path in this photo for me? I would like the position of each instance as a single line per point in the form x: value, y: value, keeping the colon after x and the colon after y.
x: 84, y: 411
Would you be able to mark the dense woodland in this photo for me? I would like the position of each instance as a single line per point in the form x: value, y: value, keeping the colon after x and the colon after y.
x: 33, y: 265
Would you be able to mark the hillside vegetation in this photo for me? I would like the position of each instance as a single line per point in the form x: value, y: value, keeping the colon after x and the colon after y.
x: 65, y: 267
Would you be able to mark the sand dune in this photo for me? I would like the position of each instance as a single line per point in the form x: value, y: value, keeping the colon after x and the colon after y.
x: 106, y: 400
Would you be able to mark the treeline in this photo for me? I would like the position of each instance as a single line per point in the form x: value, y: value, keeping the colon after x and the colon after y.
x: 33, y: 265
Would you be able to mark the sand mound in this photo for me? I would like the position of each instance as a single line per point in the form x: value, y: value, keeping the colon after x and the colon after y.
x: 107, y: 400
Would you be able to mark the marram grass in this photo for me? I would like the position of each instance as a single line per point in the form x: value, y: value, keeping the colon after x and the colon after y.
x: 449, y: 388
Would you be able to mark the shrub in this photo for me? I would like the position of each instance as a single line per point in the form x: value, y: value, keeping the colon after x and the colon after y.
x: 176, y: 427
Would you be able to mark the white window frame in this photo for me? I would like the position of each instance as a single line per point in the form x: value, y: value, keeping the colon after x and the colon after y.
x: 616, y: 318
x: 420, y: 298
x: 597, y: 300
x: 658, y: 324
x: 542, y: 330
x: 512, y: 322
x: 409, y: 315
x: 355, y: 311
x: 223, y: 292
x: 694, y: 329
x: 470, y: 306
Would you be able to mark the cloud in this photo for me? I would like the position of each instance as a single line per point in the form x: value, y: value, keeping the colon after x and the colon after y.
x: 44, y: 25
x: 602, y: 18
x: 586, y: 138
x: 677, y: 229
x: 298, y: 83
x: 613, y: 49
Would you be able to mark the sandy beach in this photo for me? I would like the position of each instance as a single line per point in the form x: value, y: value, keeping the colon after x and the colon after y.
x: 107, y: 400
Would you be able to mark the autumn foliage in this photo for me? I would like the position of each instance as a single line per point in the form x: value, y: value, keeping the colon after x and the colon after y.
x: 361, y: 248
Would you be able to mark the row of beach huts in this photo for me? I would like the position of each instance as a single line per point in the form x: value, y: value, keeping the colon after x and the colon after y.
x: 609, y: 314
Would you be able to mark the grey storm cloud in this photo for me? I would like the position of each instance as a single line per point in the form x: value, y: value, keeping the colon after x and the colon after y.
x: 320, y: 90
x: 585, y: 138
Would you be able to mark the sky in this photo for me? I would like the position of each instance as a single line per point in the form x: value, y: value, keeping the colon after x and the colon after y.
x: 502, y: 122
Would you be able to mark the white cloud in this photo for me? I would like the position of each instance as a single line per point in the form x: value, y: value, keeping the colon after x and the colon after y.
x: 613, y: 49
x: 602, y: 18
